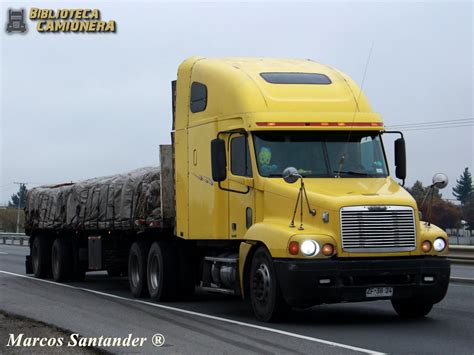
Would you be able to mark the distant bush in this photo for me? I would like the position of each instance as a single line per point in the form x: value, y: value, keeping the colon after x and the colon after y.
x: 8, y: 220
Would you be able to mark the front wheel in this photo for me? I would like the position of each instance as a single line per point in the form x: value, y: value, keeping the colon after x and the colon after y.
x: 265, y: 295
x: 412, y: 308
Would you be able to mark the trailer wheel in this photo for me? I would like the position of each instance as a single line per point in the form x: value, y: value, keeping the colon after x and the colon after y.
x: 61, y: 260
x: 41, y: 257
x: 412, y: 308
x: 137, y: 270
x: 265, y: 295
x: 162, y: 271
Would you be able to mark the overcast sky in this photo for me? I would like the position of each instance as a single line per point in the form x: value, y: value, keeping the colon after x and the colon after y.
x: 75, y: 106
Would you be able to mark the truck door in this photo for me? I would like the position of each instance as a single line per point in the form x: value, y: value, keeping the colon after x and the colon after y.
x: 241, y: 191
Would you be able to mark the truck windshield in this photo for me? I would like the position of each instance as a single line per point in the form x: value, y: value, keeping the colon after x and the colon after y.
x: 320, y: 154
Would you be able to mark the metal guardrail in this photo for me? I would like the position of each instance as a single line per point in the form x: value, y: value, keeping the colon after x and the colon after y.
x: 14, y: 239
x: 461, y: 254
x: 458, y: 254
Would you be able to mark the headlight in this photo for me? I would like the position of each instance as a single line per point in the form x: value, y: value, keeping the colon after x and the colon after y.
x: 309, y: 248
x: 439, y: 244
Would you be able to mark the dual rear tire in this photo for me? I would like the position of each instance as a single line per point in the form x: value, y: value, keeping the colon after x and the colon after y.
x: 57, y: 259
x: 155, y: 271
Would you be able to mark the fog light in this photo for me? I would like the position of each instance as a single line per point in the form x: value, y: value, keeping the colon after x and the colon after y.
x: 426, y: 246
x: 428, y: 278
x: 439, y: 244
x: 309, y: 248
x: 327, y: 249
x: 294, y: 248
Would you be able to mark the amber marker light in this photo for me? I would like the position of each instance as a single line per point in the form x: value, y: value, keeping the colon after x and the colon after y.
x: 327, y: 249
x: 426, y: 246
x: 294, y: 248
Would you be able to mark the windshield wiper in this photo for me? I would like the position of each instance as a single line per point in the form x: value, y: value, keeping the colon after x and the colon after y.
x: 350, y: 173
x: 274, y: 175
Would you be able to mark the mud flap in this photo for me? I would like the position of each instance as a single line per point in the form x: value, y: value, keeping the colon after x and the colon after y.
x: 28, y: 265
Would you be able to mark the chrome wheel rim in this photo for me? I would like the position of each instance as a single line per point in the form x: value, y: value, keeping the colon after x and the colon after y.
x: 154, y: 272
x: 134, y: 270
x: 261, y: 283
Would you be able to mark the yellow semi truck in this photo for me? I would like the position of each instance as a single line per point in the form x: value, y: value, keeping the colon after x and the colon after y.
x: 276, y: 187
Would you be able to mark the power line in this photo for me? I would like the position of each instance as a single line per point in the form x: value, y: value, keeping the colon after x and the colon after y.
x: 439, y: 127
x: 435, y: 122
x: 446, y: 123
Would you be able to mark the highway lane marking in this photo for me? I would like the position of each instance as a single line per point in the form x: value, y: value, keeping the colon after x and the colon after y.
x: 203, y: 315
x: 3, y: 253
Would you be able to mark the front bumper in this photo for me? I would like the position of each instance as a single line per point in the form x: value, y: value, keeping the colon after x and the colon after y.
x: 300, y: 280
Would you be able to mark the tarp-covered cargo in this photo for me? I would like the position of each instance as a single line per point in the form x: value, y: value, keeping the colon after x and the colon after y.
x: 122, y: 201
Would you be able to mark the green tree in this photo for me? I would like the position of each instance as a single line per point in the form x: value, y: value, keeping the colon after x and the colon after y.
x: 463, y: 188
x: 19, y: 196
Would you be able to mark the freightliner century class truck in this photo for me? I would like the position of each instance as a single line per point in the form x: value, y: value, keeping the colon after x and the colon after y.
x: 276, y: 187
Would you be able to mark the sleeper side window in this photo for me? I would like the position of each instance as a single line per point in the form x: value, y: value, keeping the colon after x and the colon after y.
x: 198, y: 97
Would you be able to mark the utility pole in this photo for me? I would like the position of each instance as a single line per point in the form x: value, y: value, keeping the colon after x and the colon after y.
x: 19, y: 203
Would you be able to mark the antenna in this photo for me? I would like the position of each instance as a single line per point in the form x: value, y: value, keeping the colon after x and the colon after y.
x: 343, y: 157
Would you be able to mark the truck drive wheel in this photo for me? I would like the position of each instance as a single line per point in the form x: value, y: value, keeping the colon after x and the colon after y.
x: 137, y: 269
x: 61, y: 260
x: 162, y: 271
x: 265, y: 295
x: 41, y: 257
x: 412, y: 308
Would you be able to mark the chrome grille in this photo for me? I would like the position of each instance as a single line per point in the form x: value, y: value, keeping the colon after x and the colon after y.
x: 378, y: 229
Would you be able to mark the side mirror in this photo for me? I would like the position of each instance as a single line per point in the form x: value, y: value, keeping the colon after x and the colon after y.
x: 440, y: 181
x: 291, y: 175
x: 400, y: 159
x: 218, y: 160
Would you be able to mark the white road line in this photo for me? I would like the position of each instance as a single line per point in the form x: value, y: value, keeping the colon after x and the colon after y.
x: 3, y: 253
x: 203, y: 315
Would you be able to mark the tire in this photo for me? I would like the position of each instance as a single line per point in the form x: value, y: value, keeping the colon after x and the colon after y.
x: 137, y: 269
x: 162, y: 276
x: 41, y: 257
x: 412, y: 308
x: 61, y: 260
x: 265, y: 295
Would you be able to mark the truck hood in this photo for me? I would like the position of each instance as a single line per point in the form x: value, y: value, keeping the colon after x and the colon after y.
x: 334, y: 193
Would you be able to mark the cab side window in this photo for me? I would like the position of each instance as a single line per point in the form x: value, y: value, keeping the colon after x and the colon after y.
x: 240, y: 163
x: 198, y: 97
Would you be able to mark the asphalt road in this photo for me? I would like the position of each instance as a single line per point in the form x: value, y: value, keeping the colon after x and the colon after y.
x: 218, y: 324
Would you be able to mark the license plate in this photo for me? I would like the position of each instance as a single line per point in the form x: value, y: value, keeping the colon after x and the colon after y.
x: 379, y: 292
